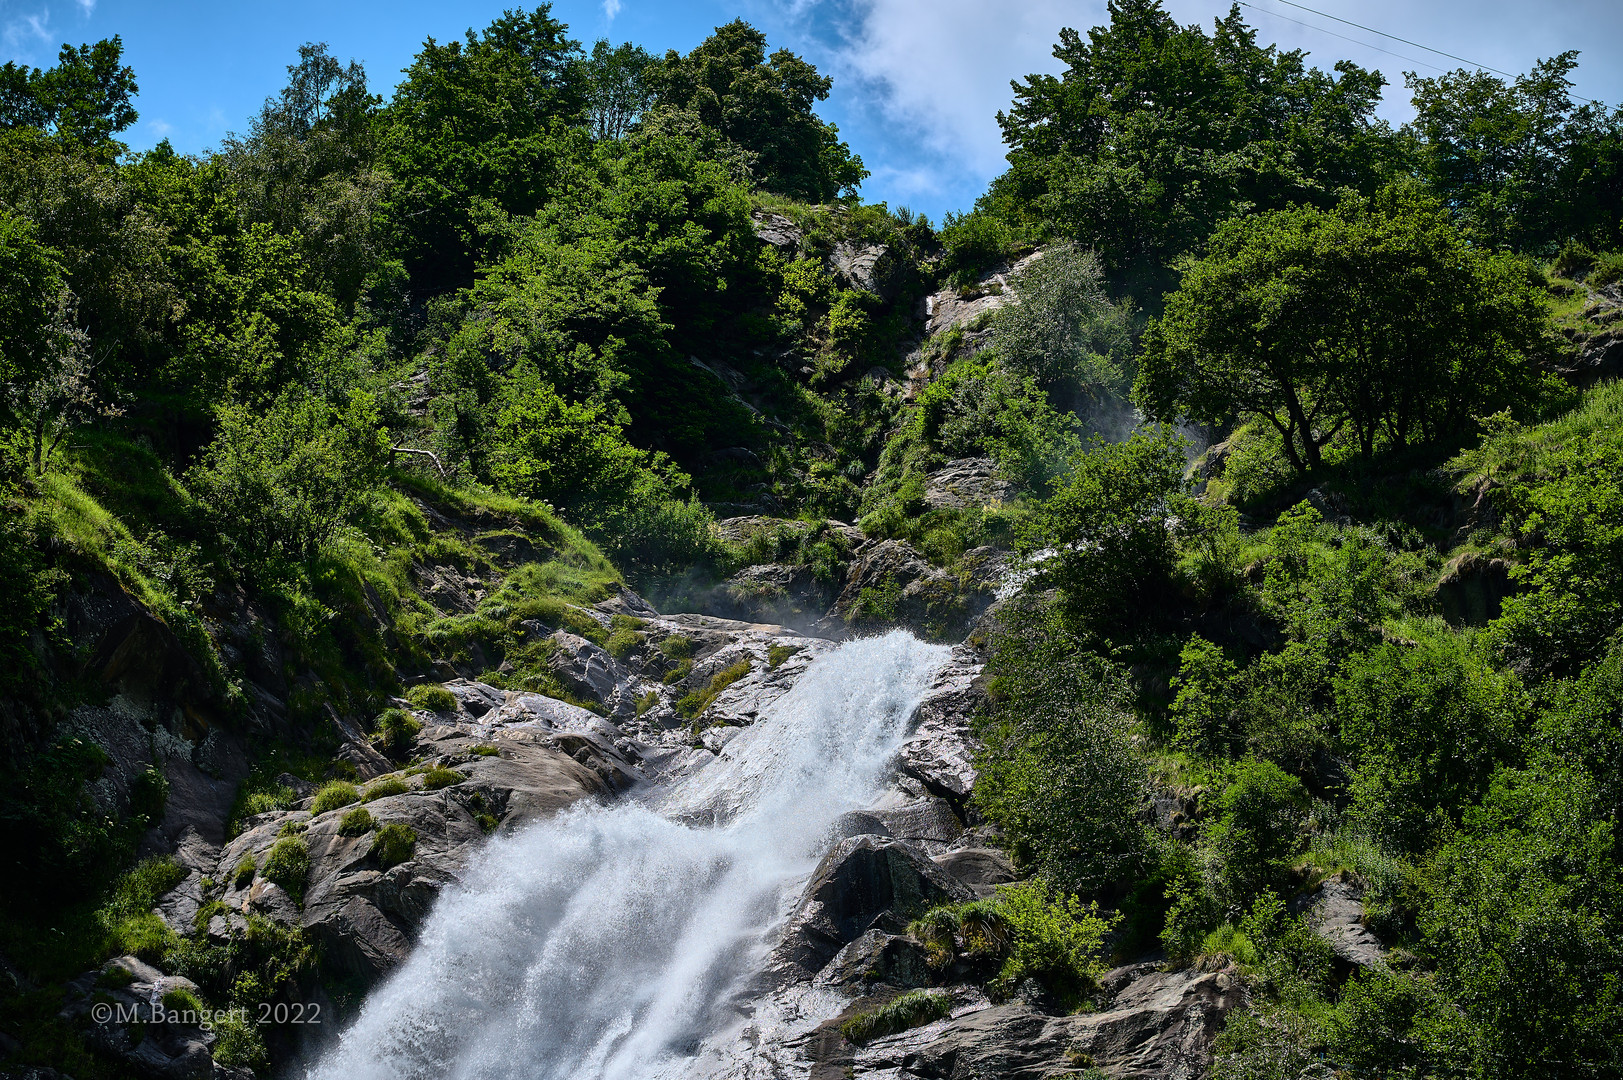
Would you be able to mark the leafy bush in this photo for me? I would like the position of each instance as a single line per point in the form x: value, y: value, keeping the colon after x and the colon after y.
x: 1608, y: 269
x: 912, y: 1009
x: 1064, y: 329
x: 148, y: 793
x: 356, y: 822
x: 1257, y: 832
x: 1425, y: 726
x: 394, y: 844
x: 432, y: 698
x: 1111, y: 527
x: 282, y: 480
x: 975, y: 243
x: 332, y: 796
x: 382, y: 789
x: 437, y: 778
x: 288, y: 865
x: 243, y: 875
x: 1059, y: 772
x: 396, y: 728
x: 1574, y: 260
x: 1053, y: 938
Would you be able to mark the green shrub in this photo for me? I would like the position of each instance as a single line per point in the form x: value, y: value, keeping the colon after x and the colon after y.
x: 432, y: 698
x: 697, y: 702
x: 913, y: 1009
x: 382, y: 789
x: 394, y: 844
x: 239, y: 1044
x: 1060, y: 773
x: 1608, y: 269
x: 148, y: 794
x: 395, y: 730
x: 1573, y: 261
x: 437, y: 778
x: 1257, y: 834
x: 333, y: 795
x: 975, y: 243
x: 682, y: 670
x: 127, y: 918
x: 1053, y: 938
x: 264, y: 802
x: 356, y: 822
x: 280, y: 481
x: 484, y: 750
x: 677, y: 647
x: 243, y: 875
x: 777, y: 654
x: 622, y: 643
x: 288, y: 865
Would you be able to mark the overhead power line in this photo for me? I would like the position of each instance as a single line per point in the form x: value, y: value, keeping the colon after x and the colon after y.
x: 1384, y: 34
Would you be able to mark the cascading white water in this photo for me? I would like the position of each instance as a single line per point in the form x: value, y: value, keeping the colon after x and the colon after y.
x: 606, y: 942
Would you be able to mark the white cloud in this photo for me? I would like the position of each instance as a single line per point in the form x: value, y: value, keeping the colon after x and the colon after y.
x: 942, y: 67
x: 160, y: 129
x: 88, y: 7
x: 24, y: 34
x: 611, y: 8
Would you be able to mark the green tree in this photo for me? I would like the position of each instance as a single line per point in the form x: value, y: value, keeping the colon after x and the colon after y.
x: 1109, y: 533
x: 475, y: 130
x: 86, y: 98
x: 764, y: 105
x: 1523, y: 163
x: 1063, y: 329
x: 280, y: 482
x: 1155, y: 132
x: 1424, y: 725
x: 308, y: 167
x: 615, y: 85
x: 1256, y: 835
x: 1375, y: 316
x: 1059, y: 773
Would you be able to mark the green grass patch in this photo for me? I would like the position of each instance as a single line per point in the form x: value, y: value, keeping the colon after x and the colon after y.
x: 777, y: 654
x: 432, y: 698
x: 913, y: 1009
x: 357, y: 822
x: 332, y: 796
x: 437, y: 778
x: 382, y: 789
x: 288, y: 865
x: 697, y: 702
x: 394, y: 844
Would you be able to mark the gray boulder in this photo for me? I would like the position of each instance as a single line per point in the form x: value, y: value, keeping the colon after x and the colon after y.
x: 966, y: 483
x: 865, y: 883
x: 1335, y: 911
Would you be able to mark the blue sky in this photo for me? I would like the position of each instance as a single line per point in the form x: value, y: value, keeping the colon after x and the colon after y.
x: 917, y: 82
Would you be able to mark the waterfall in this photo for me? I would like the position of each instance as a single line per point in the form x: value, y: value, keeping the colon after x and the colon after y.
x: 608, y: 942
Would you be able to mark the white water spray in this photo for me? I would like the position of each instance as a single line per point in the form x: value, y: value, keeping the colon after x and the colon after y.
x: 606, y: 943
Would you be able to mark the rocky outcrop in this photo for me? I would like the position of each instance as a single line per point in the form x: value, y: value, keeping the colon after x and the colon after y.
x: 1596, y: 342
x: 865, y: 883
x: 966, y: 483
x: 366, y: 913
x: 890, y: 584
x: 1335, y: 912
x: 1151, y: 1025
x: 148, y: 1021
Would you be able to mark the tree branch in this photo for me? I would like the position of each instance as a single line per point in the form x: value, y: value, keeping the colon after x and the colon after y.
x: 429, y: 454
